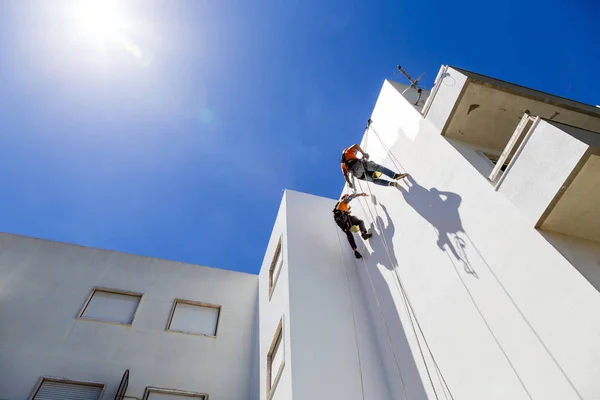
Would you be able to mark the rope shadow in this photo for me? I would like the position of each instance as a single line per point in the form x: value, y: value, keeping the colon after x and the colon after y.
x: 401, y: 348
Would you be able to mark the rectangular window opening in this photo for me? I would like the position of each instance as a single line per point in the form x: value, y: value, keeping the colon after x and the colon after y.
x: 111, y: 305
x: 194, y: 318
x: 275, y: 267
x: 275, y: 360
x: 153, y: 393
x: 494, y: 160
x: 60, y: 389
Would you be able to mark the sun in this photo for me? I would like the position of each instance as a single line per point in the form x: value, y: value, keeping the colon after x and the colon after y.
x: 102, y: 26
x: 100, y: 20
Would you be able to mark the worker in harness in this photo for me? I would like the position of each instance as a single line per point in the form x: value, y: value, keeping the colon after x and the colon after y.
x: 349, y: 223
x: 365, y: 169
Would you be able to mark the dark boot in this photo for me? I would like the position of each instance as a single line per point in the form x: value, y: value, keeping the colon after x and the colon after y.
x: 366, y: 235
x: 400, y: 176
x: 357, y: 254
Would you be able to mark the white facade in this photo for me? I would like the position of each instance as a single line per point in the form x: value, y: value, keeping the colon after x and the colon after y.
x: 479, y: 282
x: 470, y: 288
x: 44, y: 285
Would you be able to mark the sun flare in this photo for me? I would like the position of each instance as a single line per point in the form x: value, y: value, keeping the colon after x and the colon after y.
x: 100, y: 20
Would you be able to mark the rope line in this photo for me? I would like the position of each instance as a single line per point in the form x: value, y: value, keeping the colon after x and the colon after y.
x: 398, y: 164
x: 389, y: 336
x: 402, y: 291
x: 362, y: 386
x: 391, y: 155
x: 406, y: 299
x: 387, y: 330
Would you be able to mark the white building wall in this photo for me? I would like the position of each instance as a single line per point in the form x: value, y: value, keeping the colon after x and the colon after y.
x: 449, y: 88
x: 273, y: 309
x: 536, y: 174
x: 44, y: 284
x: 503, y: 313
x: 334, y: 350
x: 321, y: 356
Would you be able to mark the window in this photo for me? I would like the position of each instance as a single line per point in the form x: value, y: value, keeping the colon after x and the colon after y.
x: 61, y: 389
x: 275, y: 268
x: 493, y: 160
x: 275, y: 360
x: 195, y: 318
x: 153, y: 393
x: 111, y: 305
x: 514, y: 145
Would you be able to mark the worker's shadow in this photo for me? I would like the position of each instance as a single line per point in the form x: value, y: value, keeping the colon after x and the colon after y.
x: 440, y: 209
x: 387, y: 230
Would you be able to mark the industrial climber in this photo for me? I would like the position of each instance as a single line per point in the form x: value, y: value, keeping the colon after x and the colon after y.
x: 365, y: 169
x: 349, y: 223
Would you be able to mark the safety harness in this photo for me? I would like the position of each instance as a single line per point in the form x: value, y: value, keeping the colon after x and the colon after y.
x: 342, y: 219
x: 348, y: 163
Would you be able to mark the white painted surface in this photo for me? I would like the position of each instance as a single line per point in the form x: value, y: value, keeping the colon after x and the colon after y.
x: 193, y: 318
x: 576, y: 212
x: 44, y: 284
x: 583, y: 254
x: 273, y: 309
x: 538, y: 172
x: 111, y: 307
x: 320, y: 350
x: 411, y: 95
x: 503, y: 312
x: 448, y: 91
x: 389, y: 104
x: 323, y: 338
x: 470, y: 152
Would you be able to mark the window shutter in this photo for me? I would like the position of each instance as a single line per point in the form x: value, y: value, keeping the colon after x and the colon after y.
x: 51, y: 390
x: 167, y: 396
x: 111, y: 307
x: 195, y: 318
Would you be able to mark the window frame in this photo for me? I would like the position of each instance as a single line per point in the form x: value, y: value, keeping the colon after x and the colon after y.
x: 194, y: 303
x: 278, y: 341
x: 184, y: 393
x: 42, y: 379
x: 274, y: 277
x: 522, y: 132
x: 114, y: 291
x: 492, y: 160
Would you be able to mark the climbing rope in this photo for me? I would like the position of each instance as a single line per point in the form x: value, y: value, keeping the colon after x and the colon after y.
x: 391, y: 155
x: 387, y: 330
x: 401, y: 289
x: 406, y: 299
x: 362, y: 387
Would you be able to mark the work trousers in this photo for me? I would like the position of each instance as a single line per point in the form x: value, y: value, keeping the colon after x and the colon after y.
x: 355, y: 221
x: 364, y: 170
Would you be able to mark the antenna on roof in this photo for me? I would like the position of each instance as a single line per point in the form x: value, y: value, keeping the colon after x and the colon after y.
x: 414, y: 83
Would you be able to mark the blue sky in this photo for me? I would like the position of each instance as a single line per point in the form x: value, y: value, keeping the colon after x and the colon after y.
x: 177, y: 140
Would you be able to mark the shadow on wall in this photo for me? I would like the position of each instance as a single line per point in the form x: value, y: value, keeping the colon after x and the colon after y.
x: 403, y: 371
x: 440, y: 209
